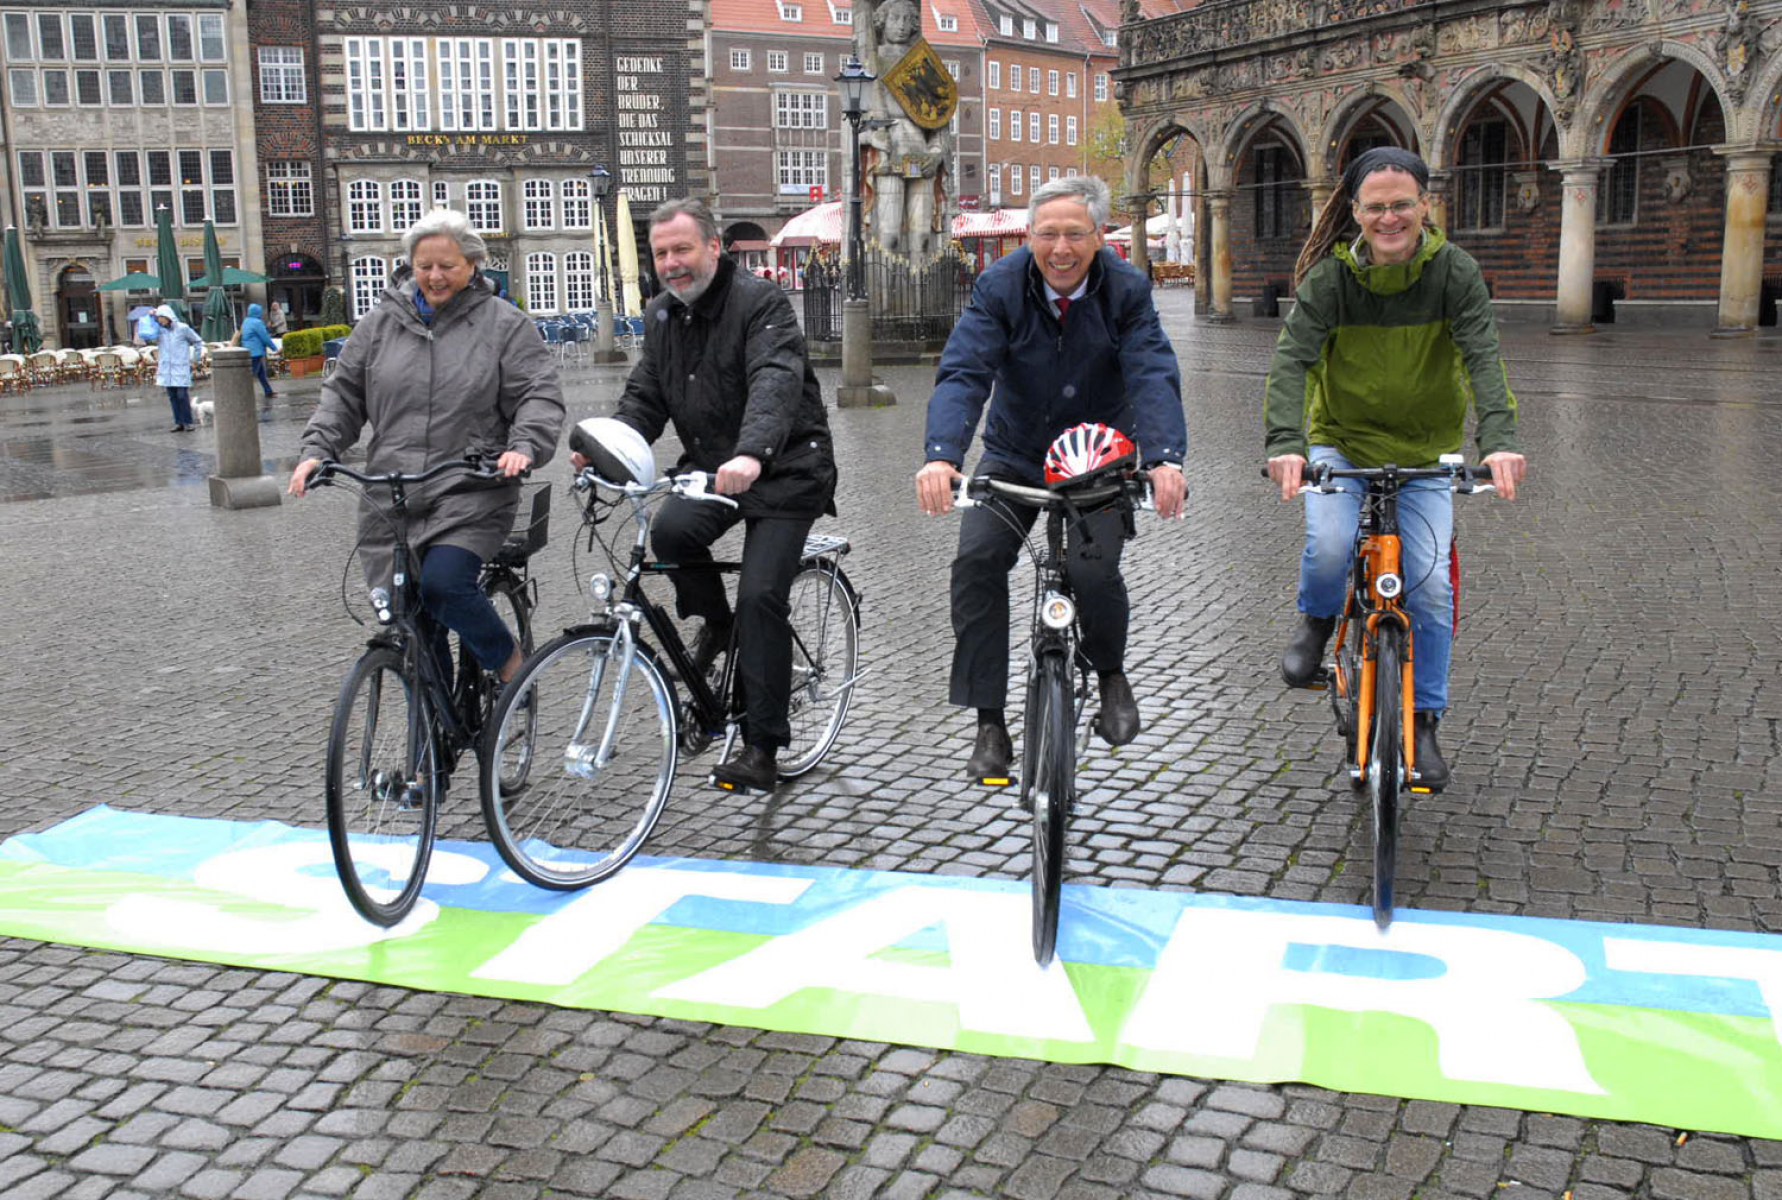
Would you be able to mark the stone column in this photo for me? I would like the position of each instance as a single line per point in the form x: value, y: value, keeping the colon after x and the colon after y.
x: 239, y: 481
x: 1438, y: 199
x: 1741, y: 256
x: 858, y: 387
x: 1141, y: 247
x: 1219, y: 202
x: 1319, y: 190
x: 1577, y: 245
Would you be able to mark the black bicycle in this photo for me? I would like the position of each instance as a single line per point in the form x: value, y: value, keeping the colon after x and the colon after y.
x: 600, y: 702
x: 403, y: 718
x: 1058, y: 676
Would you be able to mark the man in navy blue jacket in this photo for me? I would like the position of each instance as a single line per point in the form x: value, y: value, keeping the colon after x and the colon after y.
x: 1058, y: 333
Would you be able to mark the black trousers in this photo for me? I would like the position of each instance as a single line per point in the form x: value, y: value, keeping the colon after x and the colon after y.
x: 988, y: 548
x: 683, y: 533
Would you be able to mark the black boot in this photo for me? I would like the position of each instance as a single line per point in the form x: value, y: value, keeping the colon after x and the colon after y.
x: 751, y: 767
x: 1118, y: 721
x: 1304, y: 656
x: 1432, y: 769
x: 990, y: 754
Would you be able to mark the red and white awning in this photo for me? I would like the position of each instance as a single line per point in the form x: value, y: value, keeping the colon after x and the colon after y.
x: 819, y: 223
x: 998, y: 222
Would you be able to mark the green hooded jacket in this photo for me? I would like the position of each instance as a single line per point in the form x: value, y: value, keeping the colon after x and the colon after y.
x: 1380, y: 360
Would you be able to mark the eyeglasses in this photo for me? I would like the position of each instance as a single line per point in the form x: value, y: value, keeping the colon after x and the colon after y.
x: 1075, y: 237
x: 1398, y: 208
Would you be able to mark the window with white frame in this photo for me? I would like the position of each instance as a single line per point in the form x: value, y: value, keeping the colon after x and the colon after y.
x: 541, y: 204
x: 55, y: 88
x: 520, y: 72
x: 1052, y: 128
x: 739, y: 60
x: 19, y: 47
x: 289, y: 192
x: 841, y: 14
x: 946, y: 23
x: 1014, y: 179
x: 411, y: 104
x: 1111, y: 38
x: 365, y: 206
x: 467, y: 83
x: 120, y: 88
x: 578, y: 281
x: 541, y: 283
x: 405, y: 204
x: 778, y: 62
x: 952, y: 66
x: 442, y: 194
x: 1033, y: 127
x: 994, y: 116
x: 153, y: 86
x: 1014, y: 124
x: 370, y: 276
x: 1070, y: 84
x: 1033, y: 177
x: 993, y: 74
x: 1070, y: 172
x: 1051, y: 174
x: 1029, y: 28
x: 1005, y: 25
x: 65, y: 178
x: 87, y: 89
x: 365, y: 85
x: 577, y: 213
x: 813, y: 64
x: 1014, y: 77
x: 482, y: 204
x: 128, y: 174
x: 35, y: 186
x: 51, y: 43
x: 160, y: 178
x: 801, y: 110
x: 995, y: 184
x: 1070, y: 131
x: 1033, y: 80
x: 215, y: 85
x: 1051, y: 31
x: 210, y: 37
x: 802, y: 170
x: 115, y: 31
x: 791, y: 12
x: 1051, y: 83
x: 563, y: 84
x: 281, y: 75
x: 1101, y: 86
x: 24, y: 87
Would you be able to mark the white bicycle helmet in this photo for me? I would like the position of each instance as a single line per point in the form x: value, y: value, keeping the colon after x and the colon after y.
x: 617, y: 452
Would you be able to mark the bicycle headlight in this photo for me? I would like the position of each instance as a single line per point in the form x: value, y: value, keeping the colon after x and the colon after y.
x: 1388, y: 586
x: 600, y: 586
x: 1057, y: 611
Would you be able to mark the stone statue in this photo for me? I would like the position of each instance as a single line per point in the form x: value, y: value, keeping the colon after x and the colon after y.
x: 904, y: 165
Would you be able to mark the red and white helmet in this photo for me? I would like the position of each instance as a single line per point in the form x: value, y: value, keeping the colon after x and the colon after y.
x: 1089, y: 452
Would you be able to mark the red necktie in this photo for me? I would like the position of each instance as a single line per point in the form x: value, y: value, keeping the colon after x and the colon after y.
x: 1063, y: 303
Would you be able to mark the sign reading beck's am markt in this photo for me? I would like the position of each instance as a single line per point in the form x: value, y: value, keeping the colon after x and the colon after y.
x: 648, y: 155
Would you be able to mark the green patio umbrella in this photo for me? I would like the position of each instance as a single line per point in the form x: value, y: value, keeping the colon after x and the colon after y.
x: 233, y: 276
x: 135, y: 281
x: 27, y: 336
x: 173, y: 287
x: 219, y: 315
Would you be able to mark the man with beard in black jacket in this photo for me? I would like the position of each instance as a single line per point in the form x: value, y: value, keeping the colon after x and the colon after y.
x: 724, y: 360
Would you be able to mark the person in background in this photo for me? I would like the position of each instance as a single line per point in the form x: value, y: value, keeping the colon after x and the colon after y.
x: 256, y: 339
x: 180, y: 348
x: 276, y: 324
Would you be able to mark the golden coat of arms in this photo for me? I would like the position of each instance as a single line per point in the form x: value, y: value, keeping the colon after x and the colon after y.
x: 921, y: 85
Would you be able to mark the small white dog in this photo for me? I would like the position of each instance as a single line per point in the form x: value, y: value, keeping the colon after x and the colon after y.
x: 206, y: 410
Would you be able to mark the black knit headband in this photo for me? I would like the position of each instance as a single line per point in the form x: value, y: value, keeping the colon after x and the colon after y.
x: 1382, y: 157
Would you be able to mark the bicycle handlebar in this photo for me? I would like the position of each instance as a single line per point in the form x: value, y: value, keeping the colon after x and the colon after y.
x: 1317, y: 476
x: 970, y: 491
x: 691, y: 484
x: 324, y: 475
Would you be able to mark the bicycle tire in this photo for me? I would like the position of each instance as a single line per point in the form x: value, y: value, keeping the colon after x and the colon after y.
x: 514, y: 752
x: 1345, y: 689
x: 578, y: 822
x: 1385, y: 767
x: 825, y: 657
x: 1049, y: 731
x: 382, y: 786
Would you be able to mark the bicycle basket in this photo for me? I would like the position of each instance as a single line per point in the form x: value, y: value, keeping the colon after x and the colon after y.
x: 1089, y: 454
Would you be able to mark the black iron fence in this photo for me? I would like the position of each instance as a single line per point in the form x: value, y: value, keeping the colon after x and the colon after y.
x: 910, y: 302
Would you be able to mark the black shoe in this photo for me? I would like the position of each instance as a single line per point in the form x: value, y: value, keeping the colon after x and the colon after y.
x: 181, y: 428
x: 708, y: 645
x: 1304, y: 657
x: 751, y: 767
x: 1432, y: 768
x: 990, y: 754
x: 1118, y: 720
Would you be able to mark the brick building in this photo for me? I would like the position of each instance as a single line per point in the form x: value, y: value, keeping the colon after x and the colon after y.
x: 110, y: 115
x: 297, y: 211
x: 1602, y: 160
x: 502, y: 112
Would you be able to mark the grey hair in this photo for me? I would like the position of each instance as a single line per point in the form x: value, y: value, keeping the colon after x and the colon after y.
x: 1085, y: 189
x: 689, y: 206
x: 449, y: 223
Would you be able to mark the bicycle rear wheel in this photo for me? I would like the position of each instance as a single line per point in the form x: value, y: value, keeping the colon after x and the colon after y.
x: 825, y: 656
x: 1385, y: 767
x: 382, y: 786
x: 603, y: 730
x: 512, y: 752
x: 1051, y: 788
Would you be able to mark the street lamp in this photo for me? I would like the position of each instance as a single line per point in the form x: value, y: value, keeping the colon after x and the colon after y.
x: 853, y: 82
x: 600, y: 186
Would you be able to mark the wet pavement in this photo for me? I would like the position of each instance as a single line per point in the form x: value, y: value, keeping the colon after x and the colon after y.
x: 1616, y: 740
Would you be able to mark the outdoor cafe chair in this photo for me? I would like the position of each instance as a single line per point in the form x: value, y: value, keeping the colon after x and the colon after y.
x: 107, y: 369
x: 15, y: 376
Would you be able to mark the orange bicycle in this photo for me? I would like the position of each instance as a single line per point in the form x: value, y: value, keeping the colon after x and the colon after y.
x: 1372, y: 672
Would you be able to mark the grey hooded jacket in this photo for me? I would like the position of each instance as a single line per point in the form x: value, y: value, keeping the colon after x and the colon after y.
x: 480, y: 379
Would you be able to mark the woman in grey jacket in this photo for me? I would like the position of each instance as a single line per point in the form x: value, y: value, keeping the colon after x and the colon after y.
x: 440, y: 369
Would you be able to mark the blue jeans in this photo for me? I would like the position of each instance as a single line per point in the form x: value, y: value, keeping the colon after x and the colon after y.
x: 181, y: 400
x: 454, y: 601
x: 258, y: 365
x: 1426, y: 531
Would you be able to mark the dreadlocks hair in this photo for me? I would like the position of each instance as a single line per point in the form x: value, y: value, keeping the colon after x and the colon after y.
x: 1332, y: 219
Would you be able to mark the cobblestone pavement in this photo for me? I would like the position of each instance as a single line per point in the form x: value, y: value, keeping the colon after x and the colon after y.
x: 1614, y: 738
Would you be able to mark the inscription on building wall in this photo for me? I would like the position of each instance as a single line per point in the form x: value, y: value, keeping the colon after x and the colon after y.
x: 648, y: 154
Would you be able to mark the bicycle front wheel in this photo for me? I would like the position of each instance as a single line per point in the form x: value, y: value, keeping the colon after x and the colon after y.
x: 1385, y: 767
x: 825, y: 656
x: 603, y: 729
x: 1052, y: 790
x: 513, y: 751
x: 382, y: 785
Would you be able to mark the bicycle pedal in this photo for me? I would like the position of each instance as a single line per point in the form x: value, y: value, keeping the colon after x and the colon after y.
x: 995, y: 781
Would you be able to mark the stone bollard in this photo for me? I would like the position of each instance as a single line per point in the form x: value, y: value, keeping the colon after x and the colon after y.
x: 239, y: 481
x: 858, y: 388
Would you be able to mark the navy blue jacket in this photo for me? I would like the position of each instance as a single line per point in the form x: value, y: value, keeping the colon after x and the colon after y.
x: 1108, y: 361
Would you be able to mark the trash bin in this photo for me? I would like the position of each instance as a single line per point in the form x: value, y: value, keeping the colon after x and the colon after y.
x: 1603, y: 294
x: 1269, y: 303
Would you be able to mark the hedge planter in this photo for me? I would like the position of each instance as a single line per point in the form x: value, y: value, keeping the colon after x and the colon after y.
x: 310, y: 365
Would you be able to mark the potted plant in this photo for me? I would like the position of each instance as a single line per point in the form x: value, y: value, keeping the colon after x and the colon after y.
x: 302, y: 352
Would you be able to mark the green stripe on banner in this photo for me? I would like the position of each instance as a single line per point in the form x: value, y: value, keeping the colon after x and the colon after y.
x: 1663, y: 1026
